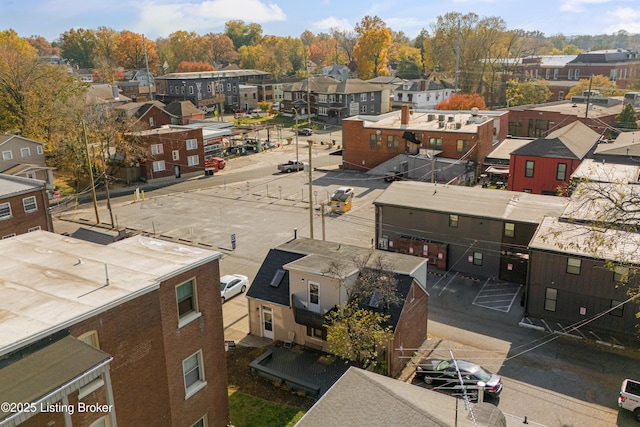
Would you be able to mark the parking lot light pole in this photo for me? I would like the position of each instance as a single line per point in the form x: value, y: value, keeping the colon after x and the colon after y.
x: 296, y: 131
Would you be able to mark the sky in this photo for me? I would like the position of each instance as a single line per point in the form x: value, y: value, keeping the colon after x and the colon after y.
x: 159, y: 18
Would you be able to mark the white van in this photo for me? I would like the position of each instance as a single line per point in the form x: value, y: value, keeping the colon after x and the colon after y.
x: 630, y: 397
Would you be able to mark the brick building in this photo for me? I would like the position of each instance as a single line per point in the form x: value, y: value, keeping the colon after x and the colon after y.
x: 462, y: 135
x: 171, y: 152
x: 24, y: 206
x: 147, y: 115
x: 135, y: 327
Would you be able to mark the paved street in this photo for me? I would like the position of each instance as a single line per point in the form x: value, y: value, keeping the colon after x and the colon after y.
x: 553, y: 381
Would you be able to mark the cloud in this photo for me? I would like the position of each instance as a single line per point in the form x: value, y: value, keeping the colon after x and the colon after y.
x: 623, y: 18
x: 326, y: 24
x: 206, y: 16
x: 579, y: 5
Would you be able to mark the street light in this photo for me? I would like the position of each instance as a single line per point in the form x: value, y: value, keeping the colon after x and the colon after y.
x: 297, y: 103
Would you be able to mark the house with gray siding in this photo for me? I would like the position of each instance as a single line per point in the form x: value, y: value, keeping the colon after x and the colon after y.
x: 472, y: 230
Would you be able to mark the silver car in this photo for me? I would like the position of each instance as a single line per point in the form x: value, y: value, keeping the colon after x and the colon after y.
x: 232, y: 285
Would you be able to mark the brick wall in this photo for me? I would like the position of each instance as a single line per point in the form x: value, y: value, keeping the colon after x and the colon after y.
x: 21, y: 221
x: 172, y: 141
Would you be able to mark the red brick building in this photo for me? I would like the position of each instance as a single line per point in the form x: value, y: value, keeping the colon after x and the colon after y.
x: 171, y: 153
x: 24, y: 206
x: 135, y: 327
x: 148, y: 115
x: 368, y: 141
x: 545, y: 165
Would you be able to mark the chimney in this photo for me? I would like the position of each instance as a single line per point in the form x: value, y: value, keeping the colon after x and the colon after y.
x: 404, y: 115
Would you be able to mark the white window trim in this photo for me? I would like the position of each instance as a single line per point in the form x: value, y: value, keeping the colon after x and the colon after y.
x: 8, y: 236
x: 39, y: 149
x: 24, y: 150
x: 159, y: 163
x: 90, y: 388
x: 188, y: 318
x: 24, y: 204
x: 36, y: 228
x: 7, y: 155
x: 193, y: 160
x: 156, y: 149
x: 175, y: 155
x: 194, y: 388
x: 192, y: 144
x: 10, y: 212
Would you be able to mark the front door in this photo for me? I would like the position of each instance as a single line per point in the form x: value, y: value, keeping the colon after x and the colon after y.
x: 267, y: 322
x: 176, y: 171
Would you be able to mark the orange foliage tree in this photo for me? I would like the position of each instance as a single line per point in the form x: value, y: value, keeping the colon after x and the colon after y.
x: 462, y: 102
x: 187, y: 66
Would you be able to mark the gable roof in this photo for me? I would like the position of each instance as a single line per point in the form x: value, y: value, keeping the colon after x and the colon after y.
x: 261, y: 288
x: 626, y: 144
x: 569, y: 142
x: 6, y: 137
x: 183, y: 109
x: 140, y: 108
x: 361, y: 398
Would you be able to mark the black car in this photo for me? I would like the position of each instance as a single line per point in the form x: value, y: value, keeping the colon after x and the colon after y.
x: 305, y: 132
x: 443, y: 375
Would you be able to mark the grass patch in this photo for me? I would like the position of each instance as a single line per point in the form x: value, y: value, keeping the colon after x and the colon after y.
x: 246, y: 410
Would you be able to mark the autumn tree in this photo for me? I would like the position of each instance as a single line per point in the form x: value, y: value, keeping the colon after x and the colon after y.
x: 600, y: 83
x: 357, y: 334
x: 222, y: 51
x: 131, y: 52
x: 249, y: 56
x: 627, y: 118
x: 242, y: 34
x: 370, y: 52
x: 346, y: 42
x: 33, y: 94
x: 529, y: 92
x: 43, y: 46
x: 462, y: 102
x: 409, y: 62
x: 78, y: 47
x: 105, y: 55
x: 186, y: 67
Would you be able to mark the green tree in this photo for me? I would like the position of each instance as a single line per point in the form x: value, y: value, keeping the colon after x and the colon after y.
x: 371, y: 50
x: 627, y: 118
x: 525, y: 93
x: 409, y: 62
x: 357, y: 334
x: 242, y: 34
x: 78, y: 47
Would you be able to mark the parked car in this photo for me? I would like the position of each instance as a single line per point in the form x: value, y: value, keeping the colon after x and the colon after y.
x: 232, y: 285
x: 220, y: 162
x: 443, y: 374
x: 629, y: 398
x: 305, y: 132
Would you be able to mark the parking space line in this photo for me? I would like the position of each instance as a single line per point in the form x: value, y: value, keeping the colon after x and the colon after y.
x: 448, y: 283
x: 497, y: 296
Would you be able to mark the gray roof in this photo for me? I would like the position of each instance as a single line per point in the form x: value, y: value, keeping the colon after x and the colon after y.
x: 182, y: 109
x: 503, y: 150
x: 578, y: 137
x: 603, y: 56
x: 11, y: 185
x: 49, y: 281
x: 472, y: 201
x: 626, y: 144
x: 363, y: 398
x: 212, y: 74
x: 595, y: 171
x: 46, y: 370
x: 261, y: 287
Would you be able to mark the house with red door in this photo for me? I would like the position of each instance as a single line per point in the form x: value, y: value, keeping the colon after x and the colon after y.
x: 545, y: 165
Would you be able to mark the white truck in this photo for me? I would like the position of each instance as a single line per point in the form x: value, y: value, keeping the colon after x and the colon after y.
x: 630, y: 397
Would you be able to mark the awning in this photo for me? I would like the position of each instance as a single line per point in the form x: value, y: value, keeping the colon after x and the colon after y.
x: 49, y: 374
x: 497, y: 170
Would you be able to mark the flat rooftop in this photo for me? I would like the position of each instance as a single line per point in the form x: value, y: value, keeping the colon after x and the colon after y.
x: 49, y: 281
x: 13, y: 185
x: 569, y: 109
x: 593, y: 170
x: 472, y: 201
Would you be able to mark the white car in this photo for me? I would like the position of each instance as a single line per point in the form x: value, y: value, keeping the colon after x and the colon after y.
x: 232, y: 285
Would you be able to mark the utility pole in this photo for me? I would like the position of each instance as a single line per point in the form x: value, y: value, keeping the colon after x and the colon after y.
x: 146, y: 60
x: 586, y: 111
x: 310, y: 193
x: 106, y: 187
x: 323, y: 234
x: 308, y: 94
x: 93, y: 185
x: 296, y: 131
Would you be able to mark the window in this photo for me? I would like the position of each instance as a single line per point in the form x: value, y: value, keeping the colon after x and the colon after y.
x: 546, y: 74
x: 435, y: 143
x: 39, y: 149
x: 190, y: 90
x: 209, y: 87
x: 561, y: 171
x: 619, y: 311
x: 228, y: 87
x: 570, y: 74
x: 192, y: 144
x: 186, y: 297
x: 550, y: 299
x: 373, y: 96
x: 175, y: 155
x: 9, y: 236
x: 392, y: 141
x: 182, y: 90
x: 158, y: 166
x: 555, y: 74
x: 90, y: 338
x: 7, y: 155
x: 5, y: 210
x: 25, y: 152
x: 528, y: 168
x: 363, y: 108
x: 314, y: 296
x: 193, y: 160
x: 171, y: 90
x: 527, y: 190
x: 453, y: 220
x: 573, y: 265
x: 36, y: 228
x: 621, y: 274
x: 477, y: 258
x: 560, y: 95
x: 30, y: 204
x: 462, y: 146
x: 509, y: 229
x: 317, y: 333
x: 577, y: 75
x: 193, y: 372
x: 202, y: 422
x: 363, y: 97
x: 375, y: 140
x: 156, y: 149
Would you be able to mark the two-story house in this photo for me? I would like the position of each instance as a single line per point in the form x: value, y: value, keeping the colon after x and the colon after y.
x: 171, y: 152
x: 477, y: 231
x: 545, y: 165
x: 147, y: 115
x: 125, y: 334
x: 296, y: 287
x: 420, y: 94
x: 24, y: 157
x: 24, y: 206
